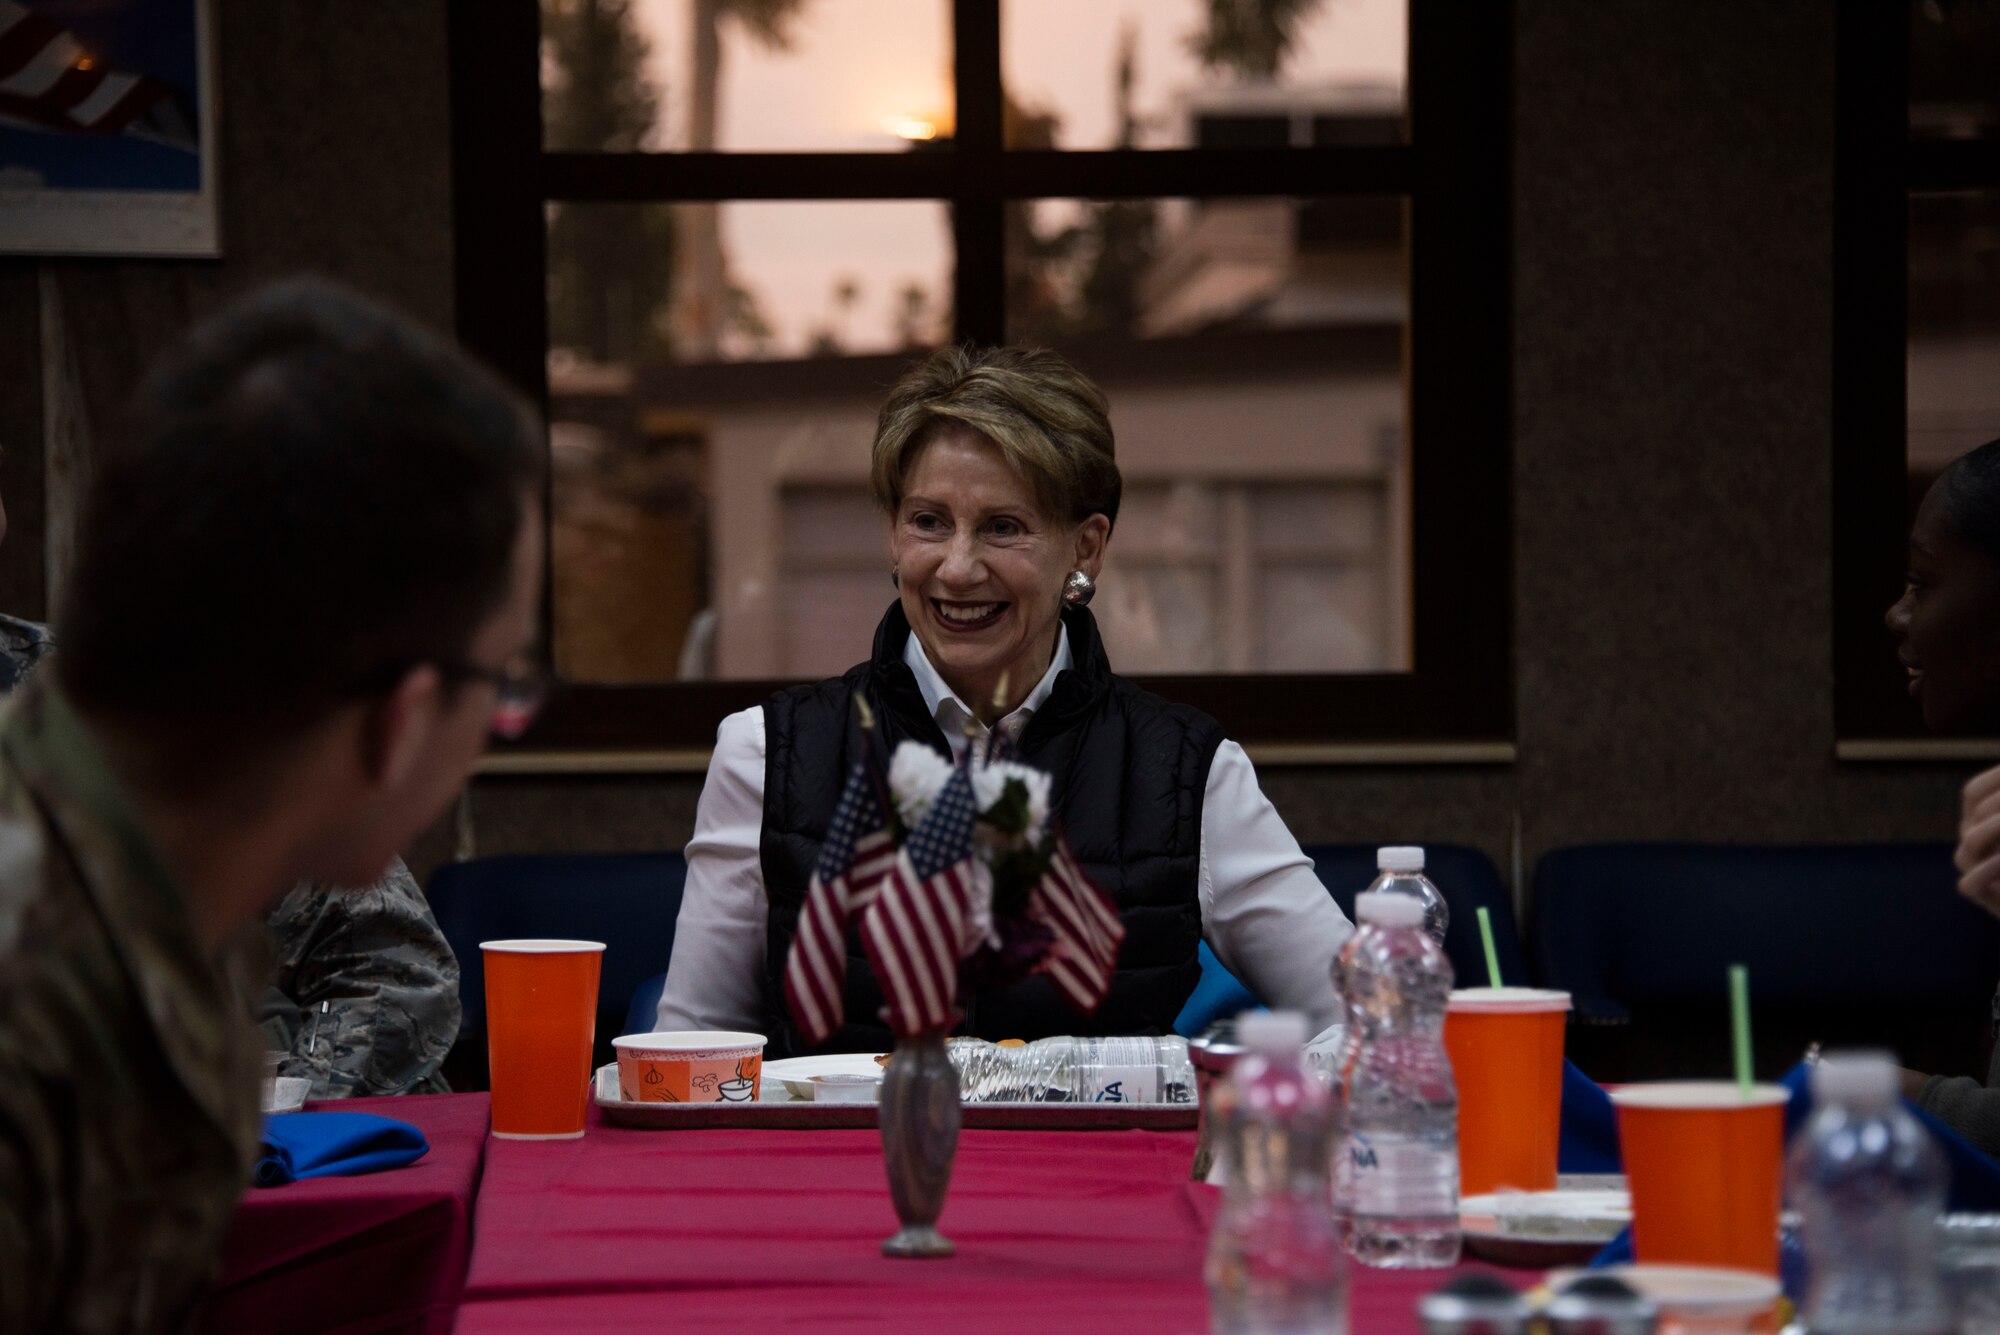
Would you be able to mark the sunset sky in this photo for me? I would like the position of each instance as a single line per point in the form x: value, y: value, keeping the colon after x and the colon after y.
x: 858, y: 66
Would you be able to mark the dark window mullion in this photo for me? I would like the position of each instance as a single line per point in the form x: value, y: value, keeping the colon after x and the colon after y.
x: 978, y: 221
x: 1870, y: 348
x: 1968, y: 164
x: 665, y: 177
x: 1459, y: 365
x: 941, y: 174
x: 1208, y: 173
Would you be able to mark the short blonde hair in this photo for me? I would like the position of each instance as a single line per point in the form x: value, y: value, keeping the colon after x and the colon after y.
x: 1047, y: 418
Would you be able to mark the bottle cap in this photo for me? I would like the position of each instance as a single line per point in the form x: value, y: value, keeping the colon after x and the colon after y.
x: 1865, y: 1076
x: 1272, y: 1033
x: 1399, y: 857
x: 1474, y: 1305
x: 1388, y: 908
x: 1216, y: 1048
x: 1600, y: 1305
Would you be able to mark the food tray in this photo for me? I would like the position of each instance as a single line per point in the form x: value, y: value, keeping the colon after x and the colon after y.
x: 799, y: 1114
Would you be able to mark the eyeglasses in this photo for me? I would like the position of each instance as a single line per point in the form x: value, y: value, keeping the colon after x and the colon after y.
x: 522, y: 686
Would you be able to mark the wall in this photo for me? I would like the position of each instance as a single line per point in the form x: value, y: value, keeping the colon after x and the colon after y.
x: 335, y: 159
x: 1672, y: 279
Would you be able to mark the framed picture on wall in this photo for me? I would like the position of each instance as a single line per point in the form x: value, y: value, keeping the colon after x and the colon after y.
x: 107, y: 128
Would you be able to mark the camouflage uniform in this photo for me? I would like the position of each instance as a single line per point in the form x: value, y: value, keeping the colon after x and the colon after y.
x: 374, y: 957
x: 128, y: 1067
x: 388, y: 981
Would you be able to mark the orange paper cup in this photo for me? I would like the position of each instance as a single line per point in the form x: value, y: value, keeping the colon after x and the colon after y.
x: 1706, y: 1166
x: 1506, y: 1050
x: 689, y: 1066
x: 541, y: 1014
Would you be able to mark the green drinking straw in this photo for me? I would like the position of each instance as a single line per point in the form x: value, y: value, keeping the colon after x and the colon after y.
x: 1486, y: 938
x: 1739, y: 1023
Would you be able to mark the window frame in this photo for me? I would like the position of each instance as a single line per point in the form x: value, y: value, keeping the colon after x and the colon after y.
x: 1877, y: 168
x: 1453, y: 171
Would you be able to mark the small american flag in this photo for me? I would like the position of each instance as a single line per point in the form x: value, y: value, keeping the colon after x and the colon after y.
x: 49, y: 81
x: 1086, y: 927
x: 914, y: 928
x: 857, y: 854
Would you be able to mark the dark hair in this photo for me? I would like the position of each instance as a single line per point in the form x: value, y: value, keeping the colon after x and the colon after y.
x: 1968, y: 494
x: 311, y: 494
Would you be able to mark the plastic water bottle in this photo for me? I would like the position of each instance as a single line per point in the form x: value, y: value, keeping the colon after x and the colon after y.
x: 1400, y: 871
x: 1274, y: 1263
x: 1075, y: 1070
x: 1869, y: 1186
x: 1402, y: 1107
x: 1354, y: 984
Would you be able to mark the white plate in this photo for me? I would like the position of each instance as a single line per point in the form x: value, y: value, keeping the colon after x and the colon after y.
x: 1689, y: 1289
x: 791, y: 1077
x: 1582, y: 1216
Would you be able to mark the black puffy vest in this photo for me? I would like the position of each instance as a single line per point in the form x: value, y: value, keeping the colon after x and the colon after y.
x: 1128, y: 774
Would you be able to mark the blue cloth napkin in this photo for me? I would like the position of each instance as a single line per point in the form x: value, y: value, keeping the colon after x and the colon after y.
x: 334, y: 1144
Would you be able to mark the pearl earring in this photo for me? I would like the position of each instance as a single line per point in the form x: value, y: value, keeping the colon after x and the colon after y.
x: 1078, y: 589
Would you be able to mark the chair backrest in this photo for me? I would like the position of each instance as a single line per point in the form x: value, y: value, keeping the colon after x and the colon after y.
x: 1469, y: 882
x: 629, y: 901
x: 1844, y: 943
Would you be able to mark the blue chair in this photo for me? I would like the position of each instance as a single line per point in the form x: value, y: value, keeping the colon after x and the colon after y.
x: 643, y: 1013
x: 1847, y: 944
x: 1218, y: 996
x: 629, y: 901
x: 1469, y: 882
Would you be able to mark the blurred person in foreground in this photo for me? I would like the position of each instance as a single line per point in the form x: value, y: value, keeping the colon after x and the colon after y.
x: 333, y: 521
x: 364, y: 988
x: 997, y: 472
x: 1947, y: 628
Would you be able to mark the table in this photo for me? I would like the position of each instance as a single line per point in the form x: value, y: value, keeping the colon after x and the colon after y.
x: 382, y: 1253
x: 1056, y: 1231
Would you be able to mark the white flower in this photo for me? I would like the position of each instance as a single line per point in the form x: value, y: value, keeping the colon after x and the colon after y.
x: 917, y: 775
x: 989, y: 781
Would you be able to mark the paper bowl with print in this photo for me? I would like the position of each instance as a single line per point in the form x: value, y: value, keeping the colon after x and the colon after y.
x: 689, y: 1066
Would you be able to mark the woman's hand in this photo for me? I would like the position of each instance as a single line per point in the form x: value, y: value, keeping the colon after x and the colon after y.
x: 1978, y: 855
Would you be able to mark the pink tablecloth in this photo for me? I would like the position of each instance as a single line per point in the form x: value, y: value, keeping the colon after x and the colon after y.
x: 384, y: 1252
x: 1056, y: 1231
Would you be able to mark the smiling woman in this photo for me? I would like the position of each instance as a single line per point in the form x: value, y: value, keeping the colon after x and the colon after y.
x: 998, y: 474
x: 991, y: 511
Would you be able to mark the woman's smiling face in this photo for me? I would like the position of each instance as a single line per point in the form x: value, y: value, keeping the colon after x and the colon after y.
x: 980, y: 567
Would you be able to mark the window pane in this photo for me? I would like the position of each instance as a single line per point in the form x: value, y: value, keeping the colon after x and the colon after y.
x: 1954, y: 345
x: 745, y: 281
x: 1954, y: 69
x: 667, y: 75
x: 1252, y: 351
x: 711, y: 519
x: 1164, y: 74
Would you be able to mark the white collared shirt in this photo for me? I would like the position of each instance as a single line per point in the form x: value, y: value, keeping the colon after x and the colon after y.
x: 1264, y: 912
x: 952, y: 714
